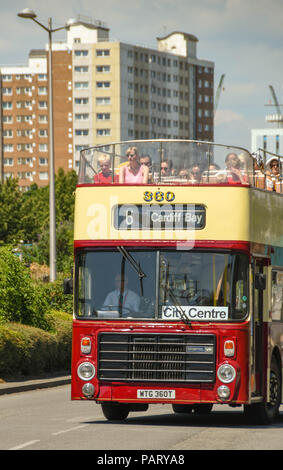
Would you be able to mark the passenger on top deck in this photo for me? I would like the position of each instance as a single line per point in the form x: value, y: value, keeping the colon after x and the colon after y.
x: 146, y: 160
x: 273, y: 173
x: 195, y: 174
x: 233, y: 165
x: 213, y: 174
x: 134, y: 172
x: 165, y: 168
x: 184, y: 174
x: 259, y: 174
x: 105, y: 175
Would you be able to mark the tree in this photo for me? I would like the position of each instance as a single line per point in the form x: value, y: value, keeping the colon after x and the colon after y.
x: 37, y: 226
x: 34, y: 212
x: 25, y: 216
x: 65, y: 185
x: 10, y: 205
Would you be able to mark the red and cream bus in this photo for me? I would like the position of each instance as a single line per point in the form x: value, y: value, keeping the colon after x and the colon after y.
x: 178, y: 286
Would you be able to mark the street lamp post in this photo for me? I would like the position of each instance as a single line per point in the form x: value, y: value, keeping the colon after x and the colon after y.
x: 27, y: 13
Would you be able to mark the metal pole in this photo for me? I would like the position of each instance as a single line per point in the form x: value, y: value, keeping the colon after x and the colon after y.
x: 52, y: 208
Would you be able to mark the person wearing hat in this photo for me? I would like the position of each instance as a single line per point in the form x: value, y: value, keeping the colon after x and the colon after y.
x: 272, y: 173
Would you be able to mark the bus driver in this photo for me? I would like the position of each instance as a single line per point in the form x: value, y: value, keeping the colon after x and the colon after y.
x: 121, y: 297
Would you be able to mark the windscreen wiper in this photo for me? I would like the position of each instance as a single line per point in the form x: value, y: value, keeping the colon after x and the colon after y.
x: 178, y: 307
x: 173, y: 297
x: 134, y: 264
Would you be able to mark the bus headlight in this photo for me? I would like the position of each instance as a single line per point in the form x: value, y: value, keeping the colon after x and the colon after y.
x: 88, y: 390
x: 226, y: 373
x: 86, y: 371
x: 223, y: 392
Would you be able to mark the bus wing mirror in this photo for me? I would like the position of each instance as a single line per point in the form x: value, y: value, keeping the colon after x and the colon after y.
x: 260, y: 281
x: 68, y: 286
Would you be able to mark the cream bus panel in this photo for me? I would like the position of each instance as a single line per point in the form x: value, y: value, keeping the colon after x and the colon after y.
x: 220, y: 213
x: 207, y: 213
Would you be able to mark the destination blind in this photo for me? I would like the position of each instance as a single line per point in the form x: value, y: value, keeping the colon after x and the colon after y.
x: 159, y: 216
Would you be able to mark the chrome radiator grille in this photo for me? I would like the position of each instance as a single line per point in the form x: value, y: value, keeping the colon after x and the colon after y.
x: 157, y: 357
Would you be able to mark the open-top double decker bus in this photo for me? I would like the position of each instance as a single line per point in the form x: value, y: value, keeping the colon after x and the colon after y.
x: 178, y: 287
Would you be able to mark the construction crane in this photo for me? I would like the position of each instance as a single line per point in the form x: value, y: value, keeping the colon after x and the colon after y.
x: 218, y: 92
x: 277, y: 119
x: 275, y: 99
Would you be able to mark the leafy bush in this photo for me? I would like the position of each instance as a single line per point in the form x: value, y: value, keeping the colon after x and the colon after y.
x: 21, y: 300
x: 29, y: 351
x: 57, y: 300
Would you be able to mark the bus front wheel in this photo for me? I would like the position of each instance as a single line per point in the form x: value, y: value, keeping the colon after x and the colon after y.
x: 266, y: 413
x: 115, y: 411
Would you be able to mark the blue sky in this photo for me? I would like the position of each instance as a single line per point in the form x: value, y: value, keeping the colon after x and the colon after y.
x: 244, y: 38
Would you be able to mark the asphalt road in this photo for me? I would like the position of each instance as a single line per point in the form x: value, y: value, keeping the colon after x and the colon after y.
x: 47, y: 419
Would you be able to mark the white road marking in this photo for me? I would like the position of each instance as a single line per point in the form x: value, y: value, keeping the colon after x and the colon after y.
x: 26, y: 444
x: 68, y: 430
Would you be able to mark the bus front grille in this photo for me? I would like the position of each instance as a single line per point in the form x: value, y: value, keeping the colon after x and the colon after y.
x: 157, y: 357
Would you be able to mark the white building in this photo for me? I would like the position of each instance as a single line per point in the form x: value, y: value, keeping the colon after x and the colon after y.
x: 270, y: 139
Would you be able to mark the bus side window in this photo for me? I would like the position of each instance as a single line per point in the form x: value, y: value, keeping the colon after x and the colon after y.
x: 277, y: 295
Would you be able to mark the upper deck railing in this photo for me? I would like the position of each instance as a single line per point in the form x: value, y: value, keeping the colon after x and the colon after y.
x: 179, y: 162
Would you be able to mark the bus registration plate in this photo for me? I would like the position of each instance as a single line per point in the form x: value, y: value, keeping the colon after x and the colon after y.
x: 157, y: 394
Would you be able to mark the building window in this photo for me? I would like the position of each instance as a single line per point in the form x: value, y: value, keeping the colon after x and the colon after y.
x: 8, y: 161
x: 6, y: 91
x: 7, y: 119
x: 103, y: 100
x: 102, y: 132
x: 42, y: 104
x: 103, y: 116
x: 82, y: 116
x: 23, y: 90
x: 43, y: 161
x: 8, y: 148
x: 81, y: 53
x: 42, y: 90
x: 24, y: 118
x: 102, y: 84
x: 8, y: 133
x: 78, y: 148
x: 43, y: 175
x: 24, y: 161
x: 102, y: 52
x: 81, y: 100
x: 24, y: 132
x: 81, y: 68
x: 43, y: 147
x: 43, y: 118
x: 81, y: 131
x: 103, y: 68
x: 7, y: 105
x: 80, y: 85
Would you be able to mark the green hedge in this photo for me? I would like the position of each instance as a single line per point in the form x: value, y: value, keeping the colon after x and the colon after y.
x: 29, y: 351
x: 21, y: 300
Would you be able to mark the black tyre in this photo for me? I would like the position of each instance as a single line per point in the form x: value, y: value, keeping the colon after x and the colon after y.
x: 115, y: 411
x: 203, y: 408
x: 182, y: 408
x: 266, y: 413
